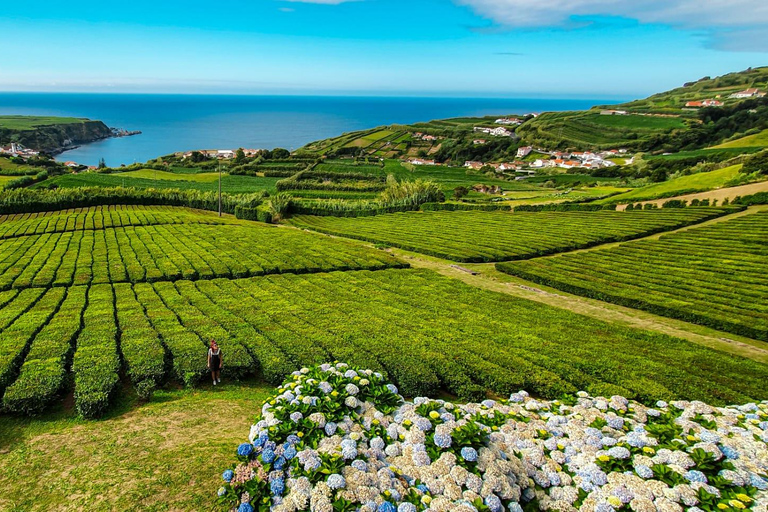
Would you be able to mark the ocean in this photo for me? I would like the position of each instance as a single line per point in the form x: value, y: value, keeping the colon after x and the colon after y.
x: 171, y: 123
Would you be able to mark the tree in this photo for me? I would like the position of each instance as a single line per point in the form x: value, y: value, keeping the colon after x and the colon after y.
x: 240, y: 156
x: 279, y: 153
x: 197, y: 157
x: 102, y: 164
x: 460, y: 192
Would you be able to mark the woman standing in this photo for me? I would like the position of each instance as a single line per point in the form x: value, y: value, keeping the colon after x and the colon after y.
x: 214, y: 362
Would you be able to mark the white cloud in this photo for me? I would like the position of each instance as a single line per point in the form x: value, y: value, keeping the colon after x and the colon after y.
x: 732, y: 24
x: 690, y: 13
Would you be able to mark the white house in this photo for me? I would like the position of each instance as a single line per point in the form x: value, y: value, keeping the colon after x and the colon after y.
x: 524, y: 151
x: 748, y: 93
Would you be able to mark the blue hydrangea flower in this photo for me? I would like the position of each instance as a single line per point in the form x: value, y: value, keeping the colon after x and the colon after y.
x: 423, y: 488
x: 695, y: 476
x: 296, y: 416
x: 615, y: 422
x: 330, y: 428
x: 292, y: 439
x: 336, y: 481
x: 277, y: 487
x: 289, y: 452
x: 469, y: 454
x: 377, y: 443
x: 644, y: 471
x: 515, y: 507
x: 729, y: 452
x: 758, y: 482
x: 313, y: 464
x: 245, y: 449
x: 245, y: 507
x: 259, y: 441
x: 228, y: 475
x: 279, y: 463
x: 443, y: 440
x: 392, y: 388
x: 619, y: 452
x: 387, y: 507
x: 494, y: 503
x: 360, y: 465
x: 268, y: 455
x: 406, y: 507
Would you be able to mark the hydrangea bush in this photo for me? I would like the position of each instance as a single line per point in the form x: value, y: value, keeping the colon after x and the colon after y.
x: 337, y: 438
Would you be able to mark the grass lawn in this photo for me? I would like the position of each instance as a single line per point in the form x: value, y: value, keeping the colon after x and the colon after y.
x: 758, y: 140
x: 230, y: 184
x: 163, y: 455
x: 32, y: 122
x: 699, y: 182
x: 152, y: 174
x: 638, y: 122
x: 6, y: 179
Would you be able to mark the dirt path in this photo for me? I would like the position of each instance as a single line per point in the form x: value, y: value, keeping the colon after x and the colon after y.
x: 720, y: 194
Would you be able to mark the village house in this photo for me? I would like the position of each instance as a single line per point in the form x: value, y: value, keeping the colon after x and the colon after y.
x: 748, y: 93
x: 420, y: 161
x: 613, y: 112
x: 478, y: 142
x: 429, y: 137
x: 71, y: 164
x: 524, y: 151
x: 497, y: 132
x: 474, y: 165
x: 704, y: 103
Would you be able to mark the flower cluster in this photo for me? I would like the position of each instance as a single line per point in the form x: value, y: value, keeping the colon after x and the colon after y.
x: 337, y: 438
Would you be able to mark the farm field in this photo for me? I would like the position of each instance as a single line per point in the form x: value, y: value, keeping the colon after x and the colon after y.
x: 151, y: 174
x: 32, y: 122
x: 472, y: 236
x: 404, y: 322
x: 6, y: 179
x: 699, y: 182
x: 712, y: 275
x: 229, y: 184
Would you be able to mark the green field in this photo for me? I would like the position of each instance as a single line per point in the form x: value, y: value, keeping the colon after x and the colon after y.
x: 229, y: 184
x: 6, y: 179
x: 151, y: 174
x: 758, y: 140
x: 496, y: 236
x: 32, y: 122
x: 712, y: 275
x: 699, y: 182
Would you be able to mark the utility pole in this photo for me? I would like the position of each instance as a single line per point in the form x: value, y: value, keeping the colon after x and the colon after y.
x: 219, y: 190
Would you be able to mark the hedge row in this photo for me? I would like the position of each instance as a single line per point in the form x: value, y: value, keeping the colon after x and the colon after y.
x: 142, y: 351
x: 185, y: 347
x: 562, y: 207
x: 261, y: 213
x: 324, y: 209
x: 38, y: 200
x: 15, y: 340
x: 454, y: 207
x: 44, y: 372
x: 96, y: 362
x: 236, y: 360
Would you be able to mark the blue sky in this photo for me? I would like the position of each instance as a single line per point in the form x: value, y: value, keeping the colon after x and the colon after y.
x: 504, y: 48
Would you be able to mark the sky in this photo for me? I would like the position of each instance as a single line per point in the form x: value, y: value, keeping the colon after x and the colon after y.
x: 495, y: 48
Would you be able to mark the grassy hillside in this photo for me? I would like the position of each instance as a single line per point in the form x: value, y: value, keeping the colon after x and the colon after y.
x: 758, y: 140
x: 706, y: 88
x: 33, y: 122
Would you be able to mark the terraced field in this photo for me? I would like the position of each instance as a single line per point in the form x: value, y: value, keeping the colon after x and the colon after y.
x: 499, y: 236
x: 713, y: 275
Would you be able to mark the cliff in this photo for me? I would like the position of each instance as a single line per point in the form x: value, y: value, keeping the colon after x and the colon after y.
x: 51, y: 135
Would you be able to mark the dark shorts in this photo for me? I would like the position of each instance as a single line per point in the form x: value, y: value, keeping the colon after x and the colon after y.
x: 215, y: 364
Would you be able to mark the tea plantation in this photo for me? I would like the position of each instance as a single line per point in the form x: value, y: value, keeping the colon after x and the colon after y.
x: 93, y: 299
x: 714, y: 275
x: 474, y: 236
